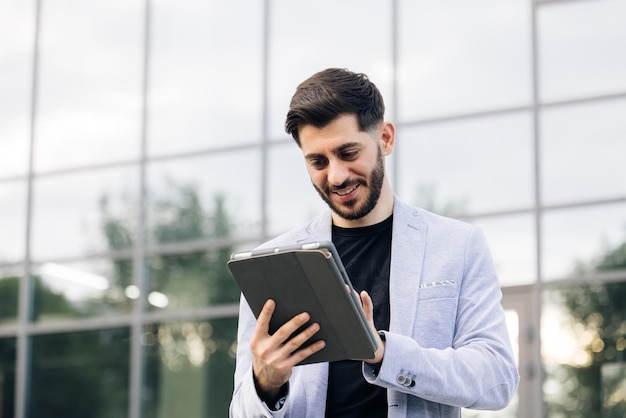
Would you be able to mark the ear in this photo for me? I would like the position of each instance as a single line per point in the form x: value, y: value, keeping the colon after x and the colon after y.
x: 387, y: 135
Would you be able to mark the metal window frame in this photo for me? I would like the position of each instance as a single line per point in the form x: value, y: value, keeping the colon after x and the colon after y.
x: 24, y: 328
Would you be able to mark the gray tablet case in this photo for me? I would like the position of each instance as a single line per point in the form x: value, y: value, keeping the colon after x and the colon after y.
x: 307, y: 278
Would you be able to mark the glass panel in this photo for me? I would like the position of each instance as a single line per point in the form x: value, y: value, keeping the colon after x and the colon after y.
x: 84, y: 212
x: 459, y: 56
x: 582, y: 152
x: 88, y: 288
x: 578, y: 48
x: 512, y: 243
x: 17, y: 30
x: 583, y: 342
x: 189, y: 368
x: 467, y: 166
x: 13, y: 196
x: 212, y: 196
x: 89, y: 90
x: 80, y: 374
x: 292, y: 199
x: 206, y: 74
x: 355, y: 35
x: 511, y: 410
x: 7, y: 377
x: 187, y: 281
x: 578, y: 241
x: 9, y: 293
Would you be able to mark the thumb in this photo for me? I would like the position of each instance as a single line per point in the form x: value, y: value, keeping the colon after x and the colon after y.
x: 368, y: 306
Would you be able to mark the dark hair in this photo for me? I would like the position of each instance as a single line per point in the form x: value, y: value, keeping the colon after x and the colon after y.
x: 330, y: 93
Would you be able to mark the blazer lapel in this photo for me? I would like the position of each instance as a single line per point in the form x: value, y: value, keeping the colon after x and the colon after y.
x: 319, y: 229
x: 407, y: 259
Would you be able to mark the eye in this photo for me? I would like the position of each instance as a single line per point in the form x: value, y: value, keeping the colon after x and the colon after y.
x: 350, y: 154
x: 318, y: 163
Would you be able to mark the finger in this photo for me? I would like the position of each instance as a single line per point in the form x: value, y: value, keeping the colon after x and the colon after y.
x: 368, y: 305
x: 368, y: 309
x: 295, y: 343
x: 288, y: 328
x: 293, y: 348
x: 299, y: 355
x: 263, y: 321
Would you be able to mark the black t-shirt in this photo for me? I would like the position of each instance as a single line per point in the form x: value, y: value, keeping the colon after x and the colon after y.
x: 366, y: 255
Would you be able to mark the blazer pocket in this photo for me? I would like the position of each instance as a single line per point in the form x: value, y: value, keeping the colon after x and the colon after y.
x: 435, y: 319
x: 437, y: 290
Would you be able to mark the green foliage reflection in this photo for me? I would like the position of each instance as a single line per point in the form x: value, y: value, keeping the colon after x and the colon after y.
x: 80, y: 374
x: 595, y: 384
x: 7, y: 376
x: 188, y: 365
x: 189, y: 368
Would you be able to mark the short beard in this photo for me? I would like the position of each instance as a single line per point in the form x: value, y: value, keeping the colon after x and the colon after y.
x: 376, y: 179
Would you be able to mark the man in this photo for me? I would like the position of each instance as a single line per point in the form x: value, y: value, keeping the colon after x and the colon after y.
x: 427, y: 284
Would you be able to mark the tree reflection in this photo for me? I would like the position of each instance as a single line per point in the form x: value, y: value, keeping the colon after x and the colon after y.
x: 188, y: 365
x: 80, y: 374
x: 7, y: 376
x: 426, y: 198
x: 593, y: 384
x: 9, y: 290
x: 43, y: 298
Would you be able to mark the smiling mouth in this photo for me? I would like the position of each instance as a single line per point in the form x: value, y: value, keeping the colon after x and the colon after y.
x: 346, y: 191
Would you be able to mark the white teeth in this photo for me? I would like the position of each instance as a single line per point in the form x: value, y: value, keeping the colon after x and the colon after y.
x: 345, y: 192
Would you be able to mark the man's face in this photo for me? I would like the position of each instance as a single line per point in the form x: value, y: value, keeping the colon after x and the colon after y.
x: 345, y: 165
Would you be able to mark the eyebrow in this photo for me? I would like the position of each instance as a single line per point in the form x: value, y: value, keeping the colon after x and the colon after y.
x: 336, y: 151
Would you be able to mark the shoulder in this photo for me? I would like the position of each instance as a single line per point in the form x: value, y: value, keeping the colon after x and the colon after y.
x: 405, y: 214
x: 435, y: 230
x: 317, y: 228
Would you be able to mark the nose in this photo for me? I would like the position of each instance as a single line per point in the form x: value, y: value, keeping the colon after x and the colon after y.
x: 337, y: 173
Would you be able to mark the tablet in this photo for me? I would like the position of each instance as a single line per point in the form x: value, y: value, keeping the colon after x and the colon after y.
x: 307, y: 278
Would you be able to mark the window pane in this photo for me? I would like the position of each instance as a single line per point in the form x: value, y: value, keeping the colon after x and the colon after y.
x: 579, y: 241
x: 80, y: 374
x: 13, y: 221
x: 17, y: 29
x: 512, y: 245
x: 7, y: 377
x: 205, y: 74
x: 189, y: 368
x: 355, y: 35
x: 583, y: 343
x: 467, y: 166
x: 9, y: 293
x: 85, y: 212
x: 88, y: 288
x: 89, y: 91
x: 581, y: 48
x: 459, y: 56
x: 583, y: 151
x: 211, y: 196
x: 292, y: 199
x: 194, y: 280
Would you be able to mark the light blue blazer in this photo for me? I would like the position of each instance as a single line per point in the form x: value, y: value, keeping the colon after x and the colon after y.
x: 447, y: 345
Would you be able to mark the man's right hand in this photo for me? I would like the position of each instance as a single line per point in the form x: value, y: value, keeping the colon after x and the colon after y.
x: 273, y: 356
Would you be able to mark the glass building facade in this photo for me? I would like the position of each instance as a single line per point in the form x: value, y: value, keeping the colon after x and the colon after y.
x: 141, y: 142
